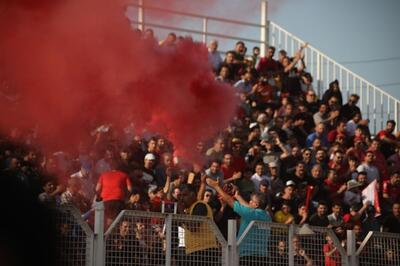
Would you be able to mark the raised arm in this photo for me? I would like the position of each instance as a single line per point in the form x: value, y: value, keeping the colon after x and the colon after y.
x: 225, y: 197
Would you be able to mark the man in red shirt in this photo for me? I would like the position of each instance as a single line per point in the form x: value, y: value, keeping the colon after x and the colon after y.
x: 391, y: 190
x: 267, y: 64
x: 387, y: 138
x: 112, y: 187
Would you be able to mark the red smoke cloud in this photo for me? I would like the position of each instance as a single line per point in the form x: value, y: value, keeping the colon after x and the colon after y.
x: 73, y: 63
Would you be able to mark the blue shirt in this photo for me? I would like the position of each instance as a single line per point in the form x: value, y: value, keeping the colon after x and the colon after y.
x: 255, y: 242
x: 310, y: 139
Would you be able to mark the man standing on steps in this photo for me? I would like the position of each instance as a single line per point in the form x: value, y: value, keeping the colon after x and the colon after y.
x: 254, y: 245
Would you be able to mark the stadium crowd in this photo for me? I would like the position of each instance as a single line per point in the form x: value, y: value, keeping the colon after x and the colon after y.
x: 298, y: 156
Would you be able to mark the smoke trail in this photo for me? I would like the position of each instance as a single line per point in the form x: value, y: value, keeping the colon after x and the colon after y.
x: 69, y: 64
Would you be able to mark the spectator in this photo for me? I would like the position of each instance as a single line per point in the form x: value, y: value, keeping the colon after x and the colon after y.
x: 368, y: 167
x: 224, y: 74
x: 319, y: 133
x: 352, y: 197
x: 332, y: 255
x: 248, y: 211
x: 259, y: 176
x: 214, y: 56
x: 302, y: 215
x: 324, y: 116
x: 47, y: 197
x: 244, y: 84
x: 200, y: 241
x: 392, y: 222
x: 350, y: 109
x: 216, y: 151
x: 300, y: 256
x: 335, y: 218
x: 149, y: 168
x: 283, y: 216
x: 73, y: 195
x: 320, y: 218
x: 333, y: 91
x: 267, y: 65
x: 389, y: 142
x: 112, y: 188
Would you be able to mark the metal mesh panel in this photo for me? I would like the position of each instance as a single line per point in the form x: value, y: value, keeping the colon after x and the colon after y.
x: 74, y: 238
x: 136, y: 238
x: 320, y: 246
x: 380, y: 249
x: 264, y: 244
x: 196, y: 240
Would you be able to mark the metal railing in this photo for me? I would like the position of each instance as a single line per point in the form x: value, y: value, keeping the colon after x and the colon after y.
x: 75, y: 238
x: 376, y: 105
x: 149, y: 239
x: 379, y: 248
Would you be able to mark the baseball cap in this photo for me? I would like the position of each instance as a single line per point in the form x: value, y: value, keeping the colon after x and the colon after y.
x: 149, y: 156
x: 290, y: 183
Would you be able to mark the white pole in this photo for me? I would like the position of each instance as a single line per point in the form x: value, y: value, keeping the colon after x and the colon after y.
x: 264, y: 27
x: 141, y: 16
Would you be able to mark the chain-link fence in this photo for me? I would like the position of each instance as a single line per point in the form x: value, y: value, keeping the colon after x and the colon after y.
x: 136, y: 238
x: 196, y: 240
x: 378, y: 249
x: 314, y: 245
x: 74, y: 239
x: 152, y: 239
x: 277, y: 244
x: 264, y: 243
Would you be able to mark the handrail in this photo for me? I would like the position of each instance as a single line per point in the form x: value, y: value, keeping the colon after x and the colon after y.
x: 188, y: 14
x: 334, y: 62
x: 197, y: 32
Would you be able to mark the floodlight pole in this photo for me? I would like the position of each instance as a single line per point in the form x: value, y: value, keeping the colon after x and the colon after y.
x: 264, y: 34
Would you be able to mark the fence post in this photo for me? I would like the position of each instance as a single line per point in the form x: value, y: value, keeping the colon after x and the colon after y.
x: 290, y: 245
x: 232, y: 256
x: 319, y: 74
x: 168, y: 239
x: 351, y: 248
x: 99, y: 250
x: 141, y: 15
x: 205, y: 30
x: 264, y: 27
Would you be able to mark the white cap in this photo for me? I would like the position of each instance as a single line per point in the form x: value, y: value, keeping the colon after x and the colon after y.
x: 149, y: 156
x: 290, y: 183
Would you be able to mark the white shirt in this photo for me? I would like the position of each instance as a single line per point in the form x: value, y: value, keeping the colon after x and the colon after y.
x: 372, y: 172
x: 257, y: 180
x: 215, y: 60
x: 351, y: 128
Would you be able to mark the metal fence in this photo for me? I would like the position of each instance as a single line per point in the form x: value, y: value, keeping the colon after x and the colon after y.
x: 277, y: 244
x: 376, y: 105
x: 75, y: 238
x: 379, y: 248
x: 149, y: 239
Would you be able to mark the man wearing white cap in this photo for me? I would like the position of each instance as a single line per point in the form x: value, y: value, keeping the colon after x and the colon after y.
x: 148, y: 169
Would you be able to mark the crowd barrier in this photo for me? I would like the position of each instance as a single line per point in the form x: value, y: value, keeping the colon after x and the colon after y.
x: 379, y: 248
x: 153, y: 239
